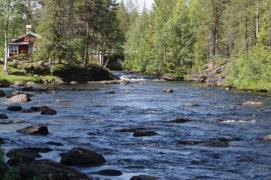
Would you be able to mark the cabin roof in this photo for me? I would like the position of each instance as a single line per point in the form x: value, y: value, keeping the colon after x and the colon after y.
x: 14, y: 41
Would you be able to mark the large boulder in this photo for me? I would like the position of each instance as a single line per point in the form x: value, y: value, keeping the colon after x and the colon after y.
x: 20, y: 98
x: 38, y: 129
x: 50, y: 170
x: 80, y: 156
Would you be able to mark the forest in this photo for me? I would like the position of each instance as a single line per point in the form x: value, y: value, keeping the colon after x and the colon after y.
x: 181, y: 37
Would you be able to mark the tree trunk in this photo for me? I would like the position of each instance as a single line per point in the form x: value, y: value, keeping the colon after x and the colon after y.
x: 6, y: 46
x: 257, y: 22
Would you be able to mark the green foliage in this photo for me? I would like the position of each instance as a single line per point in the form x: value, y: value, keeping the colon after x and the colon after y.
x: 162, y: 42
x: 252, y: 72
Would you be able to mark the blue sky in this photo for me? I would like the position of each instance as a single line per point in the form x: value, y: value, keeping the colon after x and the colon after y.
x: 141, y: 3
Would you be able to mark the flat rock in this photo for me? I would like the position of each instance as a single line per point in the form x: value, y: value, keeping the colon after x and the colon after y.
x: 80, y: 156
x: 50, y: 170
x: 167, y: 90
x: 267, y: 138
x: 144, y: 177
x: 3, y: 116
x: 252, y: 103
x: 38, y: 129
x: 179, y: 121
x: 20, y: 98
x: 110, y: 92
x: 131, y: 130
x: 216, y: 142
x: 141, y: 133
x: 110, y: 172
x: 15, y: 108
x: 54, y: 143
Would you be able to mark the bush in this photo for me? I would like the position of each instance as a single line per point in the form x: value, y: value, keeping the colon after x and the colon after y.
x: 92, y: 72
x: 252, y: 71
x: 37, y: 70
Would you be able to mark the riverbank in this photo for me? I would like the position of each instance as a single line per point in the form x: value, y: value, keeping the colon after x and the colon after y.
x: 220, y: 76
x: 61, y: 73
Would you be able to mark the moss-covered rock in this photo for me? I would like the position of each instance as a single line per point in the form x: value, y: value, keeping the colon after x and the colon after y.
x: 93, y: 72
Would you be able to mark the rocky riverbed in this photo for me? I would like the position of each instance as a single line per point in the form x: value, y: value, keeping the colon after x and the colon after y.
x: 141, y: 130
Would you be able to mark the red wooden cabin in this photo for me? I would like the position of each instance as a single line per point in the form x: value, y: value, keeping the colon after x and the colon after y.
x: 24, y: 44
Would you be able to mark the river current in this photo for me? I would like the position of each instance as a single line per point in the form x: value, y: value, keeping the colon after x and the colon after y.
x: 88, y: 116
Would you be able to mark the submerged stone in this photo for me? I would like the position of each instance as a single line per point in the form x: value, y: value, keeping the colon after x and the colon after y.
x: 109, y: 172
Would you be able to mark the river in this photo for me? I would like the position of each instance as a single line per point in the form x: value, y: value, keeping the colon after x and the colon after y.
x: 88, y: 116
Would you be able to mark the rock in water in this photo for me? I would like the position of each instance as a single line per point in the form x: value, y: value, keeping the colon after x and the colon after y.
x: 2, y: 141
x: 140, y: 133
x: 168, y: 90
x: 38, y: 129
x: 20, y: 98
x: 109, y: 172
x: 18, y: 156
x: 252, y: 103
x: 2, y: 93
x: 3, y: 116
x: 48, y: 112
x: 50, y: 170
x: 179, y: 120
x: 80, y: 156
x: 15, y: 108
x: 267, y: 138
x: 144, y: 177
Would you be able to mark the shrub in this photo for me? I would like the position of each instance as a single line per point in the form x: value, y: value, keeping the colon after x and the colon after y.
x: 37, y: 69
x: 252, y: 71
x: 92, y: 72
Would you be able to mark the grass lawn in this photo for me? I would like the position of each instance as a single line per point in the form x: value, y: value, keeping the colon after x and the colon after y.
x: 16, y: 75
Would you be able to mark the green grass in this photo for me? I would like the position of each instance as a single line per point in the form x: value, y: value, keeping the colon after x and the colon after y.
x: 22, y: 78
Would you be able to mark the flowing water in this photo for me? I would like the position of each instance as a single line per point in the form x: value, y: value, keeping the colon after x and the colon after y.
x: 90, y: 117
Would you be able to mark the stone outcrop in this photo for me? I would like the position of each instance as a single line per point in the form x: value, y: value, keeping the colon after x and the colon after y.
x: 81, y: 156
x: 210, y: 76
x: 38, y: 129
